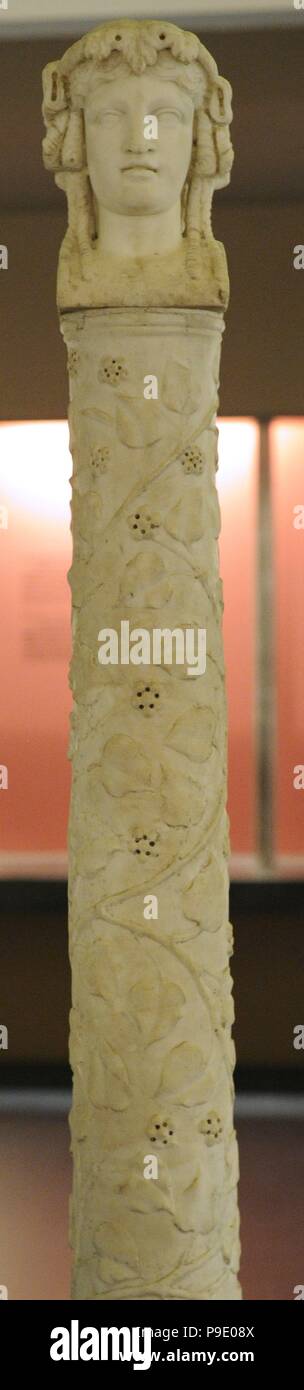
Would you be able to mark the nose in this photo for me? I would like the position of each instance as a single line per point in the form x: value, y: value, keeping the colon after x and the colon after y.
x: 135, y: 140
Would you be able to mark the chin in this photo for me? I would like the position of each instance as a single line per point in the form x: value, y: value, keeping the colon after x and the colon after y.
x: 140, y: 208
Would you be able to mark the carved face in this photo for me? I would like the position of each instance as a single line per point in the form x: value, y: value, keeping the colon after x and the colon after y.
x: 130, y: 173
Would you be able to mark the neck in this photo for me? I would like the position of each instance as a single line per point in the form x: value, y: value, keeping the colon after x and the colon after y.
x: 139, y: 236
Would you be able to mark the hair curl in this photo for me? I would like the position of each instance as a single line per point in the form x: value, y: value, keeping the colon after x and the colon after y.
x: 133, y: 46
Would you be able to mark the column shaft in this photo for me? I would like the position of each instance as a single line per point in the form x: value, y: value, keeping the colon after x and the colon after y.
x: 154, y: 1207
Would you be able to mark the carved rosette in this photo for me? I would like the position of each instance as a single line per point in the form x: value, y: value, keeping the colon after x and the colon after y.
x: 151, y: 1047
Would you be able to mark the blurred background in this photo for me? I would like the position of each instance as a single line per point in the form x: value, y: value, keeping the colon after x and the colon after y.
x: 260, y: 219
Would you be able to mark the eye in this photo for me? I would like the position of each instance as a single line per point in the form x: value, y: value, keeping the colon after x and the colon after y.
x: 169, y: 111
x: 111, y: 113
x: 100, y: 117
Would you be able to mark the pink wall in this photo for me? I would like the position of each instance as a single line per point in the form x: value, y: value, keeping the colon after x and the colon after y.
x: 287, y: 488
x: 237, y: 484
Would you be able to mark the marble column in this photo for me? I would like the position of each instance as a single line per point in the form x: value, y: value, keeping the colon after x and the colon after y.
x: 154, y: 1208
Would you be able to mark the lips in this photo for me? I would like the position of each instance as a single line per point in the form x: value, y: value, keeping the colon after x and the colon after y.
x: 139, y: 168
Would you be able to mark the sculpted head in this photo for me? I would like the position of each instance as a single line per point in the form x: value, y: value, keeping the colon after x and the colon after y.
x: 131, y: 170
x: 104, y: 151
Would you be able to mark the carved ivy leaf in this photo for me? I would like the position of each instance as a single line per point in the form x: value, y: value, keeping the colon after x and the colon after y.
x: 139, y: 424
x: 185, y: 521
x: 195, y: 1205
x: 182, y: 801
x: 146, y: 575
x: 206, y: 898
x: 181, y: 391
x: 118, y: 1091
x: 193, y: 736
x: 157, y: 1010
x: 101, y: 974
x: 171, y: 1001
x: 146, y: 1196
x: 184, y: 1065
x: 116, y: 1243
x: 96, y: 1082
x: 113, y: 1271
x: 108, y: 1082
x: 125, y: 768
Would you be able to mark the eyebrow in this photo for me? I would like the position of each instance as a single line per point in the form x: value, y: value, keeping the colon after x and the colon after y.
x: 120, y: 105
x: 95, y: 104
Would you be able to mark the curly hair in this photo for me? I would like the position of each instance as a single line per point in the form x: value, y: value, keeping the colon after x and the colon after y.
x: 132, y: 46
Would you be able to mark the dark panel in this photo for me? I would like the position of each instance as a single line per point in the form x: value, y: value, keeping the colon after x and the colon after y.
x: 267, y: 969
x: 33, y: 367
x: 262, y: 358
